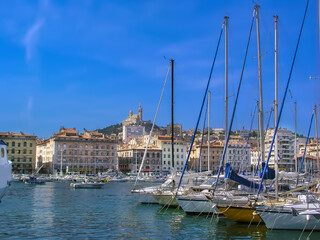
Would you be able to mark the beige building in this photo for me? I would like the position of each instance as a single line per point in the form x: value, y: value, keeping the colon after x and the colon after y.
x: 21, y: 149
x: 236, y: 155
x: 313, y: 153
x: 68, y: 151
x: 180, y: 149
x: 130, y: 158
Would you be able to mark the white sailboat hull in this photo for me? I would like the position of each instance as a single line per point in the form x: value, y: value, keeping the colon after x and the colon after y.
x: 166, y: 199
x: 287, y: 220
x: 297, y: 216
x: 197, y: 204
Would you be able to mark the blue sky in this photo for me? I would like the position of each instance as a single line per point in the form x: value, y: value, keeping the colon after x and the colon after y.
x: 85, y: 64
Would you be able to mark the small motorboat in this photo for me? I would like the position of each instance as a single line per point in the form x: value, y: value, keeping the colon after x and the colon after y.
x: 87, y: 184
x: 34, y: 180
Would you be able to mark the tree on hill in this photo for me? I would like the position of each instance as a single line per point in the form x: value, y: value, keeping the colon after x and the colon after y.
x: 117, y: 128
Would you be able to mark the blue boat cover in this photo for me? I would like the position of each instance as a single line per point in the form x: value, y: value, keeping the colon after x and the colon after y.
x: 270, y: 173
x: 235, y: 177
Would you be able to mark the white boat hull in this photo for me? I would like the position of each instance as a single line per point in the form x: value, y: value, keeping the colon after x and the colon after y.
x: 197, y: 204
x: 289, y: 220
x: 166, y: 199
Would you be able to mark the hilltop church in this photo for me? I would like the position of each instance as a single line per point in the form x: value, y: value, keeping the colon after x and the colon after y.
x: 133, y: 119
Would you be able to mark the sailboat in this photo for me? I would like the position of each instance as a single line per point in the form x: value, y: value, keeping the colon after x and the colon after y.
x: 145, y: 194
x: 5, y: 169
x: 287, y: 215
x: 165, y: 196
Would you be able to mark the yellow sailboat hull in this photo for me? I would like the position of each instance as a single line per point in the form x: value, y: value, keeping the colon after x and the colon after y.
x: 241, y: 214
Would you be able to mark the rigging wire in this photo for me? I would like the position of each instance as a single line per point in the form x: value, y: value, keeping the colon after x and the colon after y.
x: 204, y: 98
x: 305, y: 148
x: 235, y: 105
x: 204, y: 125
x: 245, y: 149
x: 154, y: 121
x: 257, y: 168
x: 283, y: 101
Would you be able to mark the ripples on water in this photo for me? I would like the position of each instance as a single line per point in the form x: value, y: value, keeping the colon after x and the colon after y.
x: 54, y: 211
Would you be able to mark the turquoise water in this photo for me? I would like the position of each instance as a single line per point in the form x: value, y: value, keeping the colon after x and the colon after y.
x: 54, y: 211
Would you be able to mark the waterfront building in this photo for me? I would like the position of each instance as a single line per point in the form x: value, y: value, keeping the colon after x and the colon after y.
x: 312, y: 148
x: 310, y: 163
x: 130, y: 158
x: 236, y: 155
x: 180, y: 149
x: 286, y: 159
x: 68, y: 151
x: 21, y: 150
x: 255, y: 154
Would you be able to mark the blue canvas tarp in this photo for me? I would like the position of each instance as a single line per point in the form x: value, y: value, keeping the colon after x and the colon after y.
x: 230, y: 174
x: 270, y: 173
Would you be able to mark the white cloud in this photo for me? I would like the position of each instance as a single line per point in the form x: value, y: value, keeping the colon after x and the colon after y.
x: 30, y: 38
x: 30, y: 104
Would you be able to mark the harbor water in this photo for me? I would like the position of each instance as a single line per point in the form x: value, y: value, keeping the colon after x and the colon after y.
x: 55, y: 211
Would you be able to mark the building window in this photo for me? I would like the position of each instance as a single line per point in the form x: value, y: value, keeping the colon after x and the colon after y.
x: 24, y: 144
x: 13, y: 144
x: 12, y: 151
x: 30, y: 145
x: 19, y: 145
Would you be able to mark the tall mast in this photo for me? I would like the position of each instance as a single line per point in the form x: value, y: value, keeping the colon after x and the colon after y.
x: 258, y: 133
x: 226, y: 19
x: 172, y: 122
x: 276, y: 99
x: 317, y: 137
x: 260, y: 86
x: 209, y: 97
x: 295, y: 136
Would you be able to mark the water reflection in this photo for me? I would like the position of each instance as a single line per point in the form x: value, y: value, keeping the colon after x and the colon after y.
x: 54, y: 211
x: 42, y: 207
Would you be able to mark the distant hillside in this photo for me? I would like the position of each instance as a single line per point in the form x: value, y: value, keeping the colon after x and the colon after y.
x: 117, y: 128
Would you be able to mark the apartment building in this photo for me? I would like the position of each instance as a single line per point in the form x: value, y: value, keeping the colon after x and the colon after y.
x: 286, y: 160
x: 130, y: 159
x: 21, y: 150
x: 68, y: 151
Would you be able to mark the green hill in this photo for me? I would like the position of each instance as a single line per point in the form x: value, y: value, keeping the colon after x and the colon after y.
x: 117, y: 128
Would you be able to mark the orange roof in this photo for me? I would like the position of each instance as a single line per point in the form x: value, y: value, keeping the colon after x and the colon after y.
x: 16, y: 134
x: 68, y: 130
